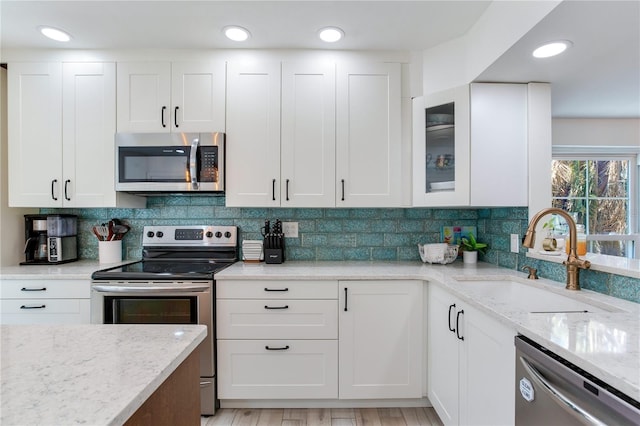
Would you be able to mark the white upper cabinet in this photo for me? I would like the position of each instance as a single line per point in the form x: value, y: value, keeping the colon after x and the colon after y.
x: 34, y: 96
x: 281, y: 128
x: 308, y: 140
x: 253, y: 134
x: 441, y: 149
x: 368, y: 135
x: 499, y: 145
x: 470, y: 146
x: 312, y: 137
x: 171, y: 97
x: 61, y: 136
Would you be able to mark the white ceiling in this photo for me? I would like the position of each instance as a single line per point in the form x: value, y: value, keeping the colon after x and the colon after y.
x: 598, y: 77
x: 369, y: 25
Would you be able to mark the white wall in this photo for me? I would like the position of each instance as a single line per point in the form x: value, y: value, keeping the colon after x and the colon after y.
x: 461, y: 60
x: 596, y: 132
x: 11, y: 219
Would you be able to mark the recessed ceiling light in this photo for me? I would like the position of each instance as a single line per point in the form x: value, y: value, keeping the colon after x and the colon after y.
x: 54, y: 34
x: 236, y: 33
x: 330, y: 34
x: 552, y: 49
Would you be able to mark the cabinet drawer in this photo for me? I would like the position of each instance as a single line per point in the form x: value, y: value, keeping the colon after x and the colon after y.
x: 45, y: 289
x: 277, y: 319
x: 259, y: 289
x: 45, y: 311
x: 298, y: 370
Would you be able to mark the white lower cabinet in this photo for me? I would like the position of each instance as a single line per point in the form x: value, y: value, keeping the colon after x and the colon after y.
x: 471, y: 363
x: 45, y: 302
x: 277, y: 369
x: 277, y: 339
x: 303, y: 340
x: 381, y: 341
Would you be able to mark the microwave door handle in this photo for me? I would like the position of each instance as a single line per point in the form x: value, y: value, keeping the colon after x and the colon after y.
x: 193, y: 166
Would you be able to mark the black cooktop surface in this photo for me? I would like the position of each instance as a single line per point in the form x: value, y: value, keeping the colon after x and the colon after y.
x: 161, y: 270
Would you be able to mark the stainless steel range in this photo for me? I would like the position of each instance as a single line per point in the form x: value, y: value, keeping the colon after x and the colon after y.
x: 172, y: 284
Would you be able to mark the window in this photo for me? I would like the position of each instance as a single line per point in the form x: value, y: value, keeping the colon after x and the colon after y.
x: 600, y: 192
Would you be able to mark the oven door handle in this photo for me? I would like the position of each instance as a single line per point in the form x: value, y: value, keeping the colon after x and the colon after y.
x: 158, y: 289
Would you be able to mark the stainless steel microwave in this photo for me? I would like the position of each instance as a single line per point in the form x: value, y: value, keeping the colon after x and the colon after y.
x: 170, y: 162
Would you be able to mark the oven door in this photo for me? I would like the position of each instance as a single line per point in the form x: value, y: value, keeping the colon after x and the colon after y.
x: 157, y: 303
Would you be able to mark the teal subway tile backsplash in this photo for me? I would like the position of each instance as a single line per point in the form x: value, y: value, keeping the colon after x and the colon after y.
x: 346, y: 234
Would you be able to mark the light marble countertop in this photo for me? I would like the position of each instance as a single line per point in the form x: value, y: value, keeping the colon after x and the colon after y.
x: 80, y: 270
x: 86, y: 374
x: 605, y: 344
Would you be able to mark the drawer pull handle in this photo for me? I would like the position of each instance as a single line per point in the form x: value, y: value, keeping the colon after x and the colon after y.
x: 276, y: 289
x: 276, y: 307
x: 33, y: 307
x: 277, y: 349
x: 33, y: 289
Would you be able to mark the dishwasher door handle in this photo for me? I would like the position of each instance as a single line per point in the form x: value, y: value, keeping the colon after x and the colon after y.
x: 569, y: 405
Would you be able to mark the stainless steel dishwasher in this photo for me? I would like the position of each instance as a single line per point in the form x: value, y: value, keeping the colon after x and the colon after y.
x: 552, y: 391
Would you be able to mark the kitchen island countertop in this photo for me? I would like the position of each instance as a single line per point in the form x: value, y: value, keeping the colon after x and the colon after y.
x: 87, y: 374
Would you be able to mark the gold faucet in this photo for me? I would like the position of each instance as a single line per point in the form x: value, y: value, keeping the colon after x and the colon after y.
x: 573, y: 262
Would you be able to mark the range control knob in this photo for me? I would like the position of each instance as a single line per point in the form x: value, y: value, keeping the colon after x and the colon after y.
x: 209, y: 234
x: 218, y: 234
x: 159, y: 234
x: 150, y: 234
x: 227, y: 234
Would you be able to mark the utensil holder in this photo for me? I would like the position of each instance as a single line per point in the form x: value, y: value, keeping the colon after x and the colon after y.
x: 110, y: 251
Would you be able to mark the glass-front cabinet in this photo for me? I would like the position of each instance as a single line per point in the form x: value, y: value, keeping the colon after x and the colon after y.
x: 441, y: 148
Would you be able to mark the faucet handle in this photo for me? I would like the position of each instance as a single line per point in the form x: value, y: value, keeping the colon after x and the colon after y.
x: 533, y: 272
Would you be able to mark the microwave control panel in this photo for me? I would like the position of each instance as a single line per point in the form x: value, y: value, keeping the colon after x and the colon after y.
x: 208, y: 164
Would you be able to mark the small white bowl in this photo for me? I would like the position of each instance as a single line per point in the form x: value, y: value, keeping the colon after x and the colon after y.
x: 442, y: 253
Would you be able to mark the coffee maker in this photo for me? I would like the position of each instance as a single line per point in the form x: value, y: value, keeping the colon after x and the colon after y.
x: 50, y: 239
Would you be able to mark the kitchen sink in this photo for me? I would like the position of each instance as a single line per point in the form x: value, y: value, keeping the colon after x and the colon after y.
x: 533, y: 297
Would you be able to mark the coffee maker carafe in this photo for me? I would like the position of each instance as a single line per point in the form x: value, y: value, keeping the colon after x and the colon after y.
x: 50, y: 239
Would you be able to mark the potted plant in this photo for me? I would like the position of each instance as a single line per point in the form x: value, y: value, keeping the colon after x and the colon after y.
x: 471, y: 247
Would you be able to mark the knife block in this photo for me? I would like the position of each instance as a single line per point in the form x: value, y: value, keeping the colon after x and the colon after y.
x: 274, y: 248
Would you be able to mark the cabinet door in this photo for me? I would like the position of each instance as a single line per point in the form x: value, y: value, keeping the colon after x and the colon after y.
x: 197, y: 96
x: 441, y: 148
x: 35, y: 134
x: 253, y: 134
x: 380, y: 344
x: 308, y: 135
x: 144, y: 97
x: 442, y: 357
x: 499, y: 145
x: 368, y: 136
x: 89, y: 125
x: 487, y: 369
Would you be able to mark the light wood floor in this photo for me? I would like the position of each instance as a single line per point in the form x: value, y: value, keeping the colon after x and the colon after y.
x: 324, y: 417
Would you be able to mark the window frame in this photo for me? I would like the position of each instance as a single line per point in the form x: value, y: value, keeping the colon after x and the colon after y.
x: 619, y: 153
